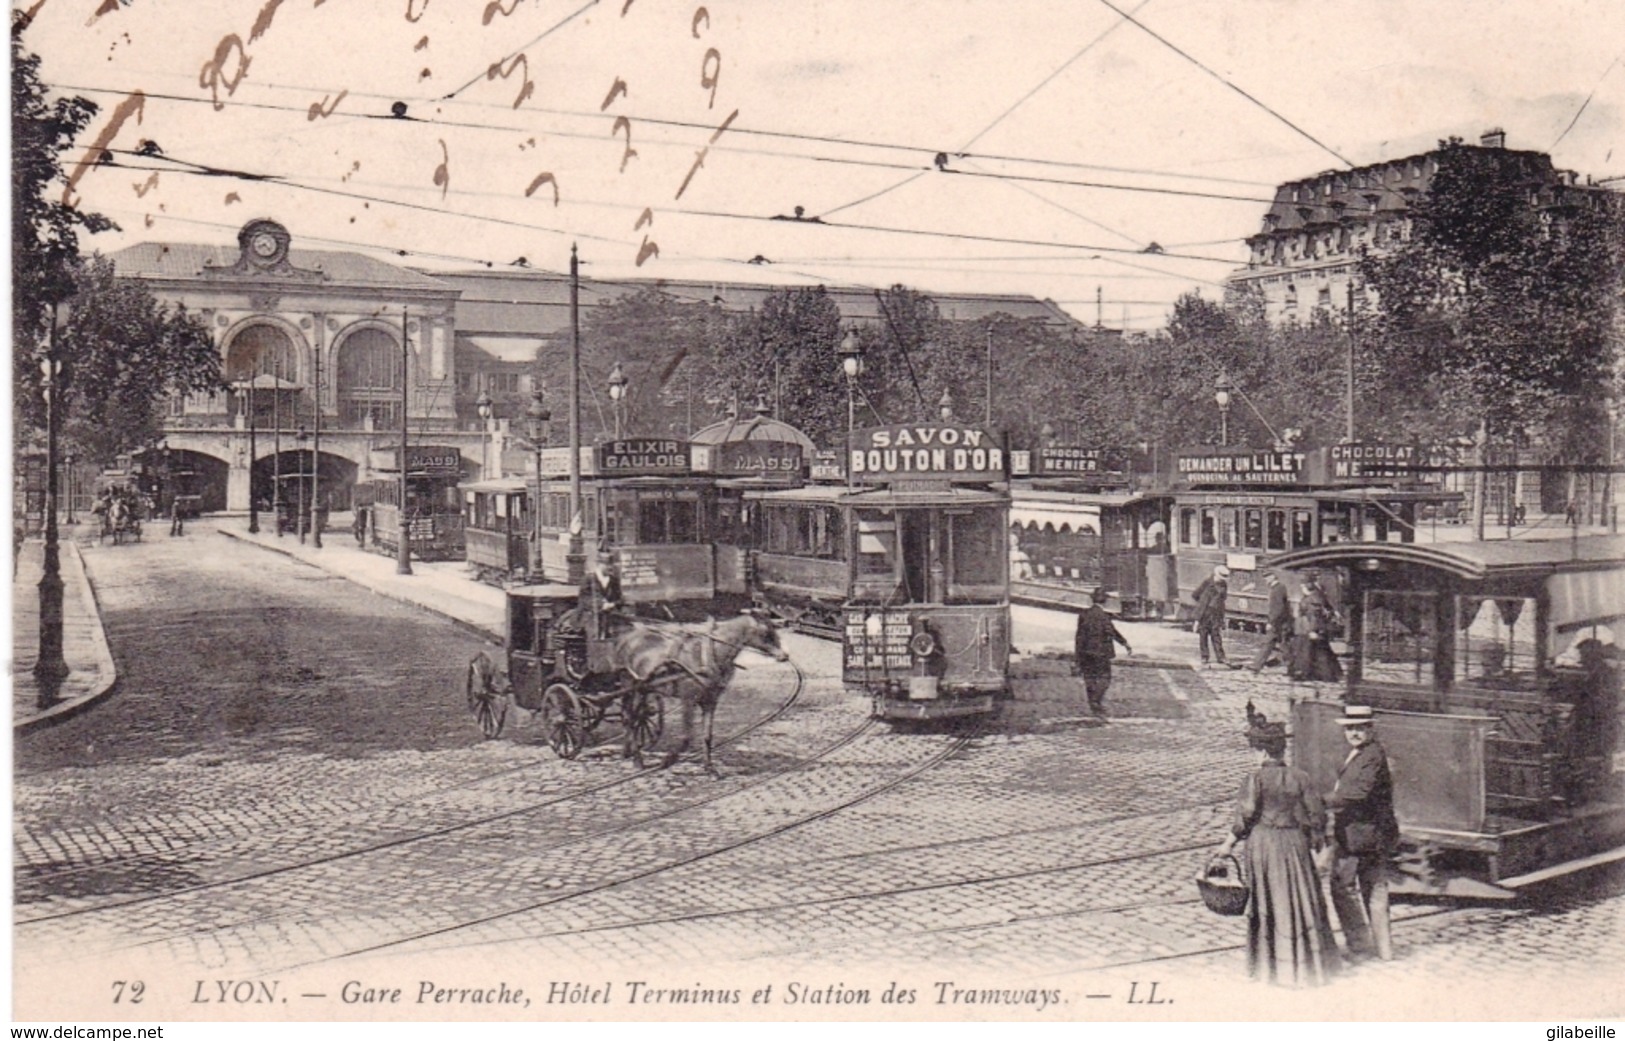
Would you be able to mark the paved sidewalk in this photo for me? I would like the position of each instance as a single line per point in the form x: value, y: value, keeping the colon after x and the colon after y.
x: 84, y: 643
x: 443, y: 587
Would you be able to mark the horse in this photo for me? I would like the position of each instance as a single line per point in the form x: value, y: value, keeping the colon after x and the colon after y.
x: 694, y: 663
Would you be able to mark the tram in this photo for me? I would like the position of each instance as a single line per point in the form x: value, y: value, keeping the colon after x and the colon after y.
x: 497, y: 528
x: 1494, y: 672
x: 431, y: 514
x: 907, y: 562
x: 1243, y: 509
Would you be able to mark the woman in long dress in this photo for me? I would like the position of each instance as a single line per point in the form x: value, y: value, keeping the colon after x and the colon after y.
x: 1312, y: 657
x: 1282, y: 819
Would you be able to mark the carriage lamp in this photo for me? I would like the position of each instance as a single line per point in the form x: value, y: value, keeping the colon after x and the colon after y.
x: 1221, y: 397
x: 482, y: 405
x: 617, y: 393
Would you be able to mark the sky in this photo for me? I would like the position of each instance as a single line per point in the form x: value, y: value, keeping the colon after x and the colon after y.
x: 1074, y: 135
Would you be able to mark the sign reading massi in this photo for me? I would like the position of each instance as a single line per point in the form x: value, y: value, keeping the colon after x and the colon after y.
x: 925, y: 451
x: 1241, y: 467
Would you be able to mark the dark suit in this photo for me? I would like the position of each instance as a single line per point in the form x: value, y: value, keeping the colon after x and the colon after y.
x: 1092, y: 649
x: 1280, y: 622
x: 1366, y: 832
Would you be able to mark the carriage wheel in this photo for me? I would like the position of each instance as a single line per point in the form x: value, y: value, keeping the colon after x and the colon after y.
x: 490, y: 707
x: 592, y: 712
x: 561, y: 720
x: 644, y: 715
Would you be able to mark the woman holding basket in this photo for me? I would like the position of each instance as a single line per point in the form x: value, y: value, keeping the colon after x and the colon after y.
x: 1282, y: 819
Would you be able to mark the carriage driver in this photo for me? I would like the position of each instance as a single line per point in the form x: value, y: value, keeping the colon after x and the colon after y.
x: 606, y: 590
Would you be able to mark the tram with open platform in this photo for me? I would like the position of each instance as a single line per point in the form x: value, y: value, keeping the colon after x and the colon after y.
x: 1494, y: 672
x: 428, y: 510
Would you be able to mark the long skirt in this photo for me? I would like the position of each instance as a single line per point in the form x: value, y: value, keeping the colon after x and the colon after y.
x: 1311, y: 659
x: 1289, y: 937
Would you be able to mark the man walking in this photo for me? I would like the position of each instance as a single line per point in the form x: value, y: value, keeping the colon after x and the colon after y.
x: 1364, y: 833
x: 1093, y: 651
x: 1210, y: 607
x: 1279, y: 613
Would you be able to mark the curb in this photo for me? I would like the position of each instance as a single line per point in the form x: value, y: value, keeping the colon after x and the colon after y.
x: 461, y: 623
x: 106, y: 671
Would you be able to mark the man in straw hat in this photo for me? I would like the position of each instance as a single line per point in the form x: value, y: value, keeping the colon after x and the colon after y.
x: 1210, y: 608
x: 1364, y: 831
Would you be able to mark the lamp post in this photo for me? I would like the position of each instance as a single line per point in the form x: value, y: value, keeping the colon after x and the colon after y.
x: 276, y: 445
x: 1221, y: 397
x: 253, y: 457
x: 946, y: 406
x: 51, y: 668
x: 67, y: 461
x: 540, y: 433
x: 617, y: 394
x: 482, y: 405
x: 851, y: 355
x: 300, y: 437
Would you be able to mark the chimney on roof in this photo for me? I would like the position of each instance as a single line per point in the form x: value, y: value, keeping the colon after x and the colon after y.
x: 1493, y: 138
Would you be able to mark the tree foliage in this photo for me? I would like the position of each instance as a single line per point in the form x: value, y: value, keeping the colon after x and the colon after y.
x: 1501, y: 305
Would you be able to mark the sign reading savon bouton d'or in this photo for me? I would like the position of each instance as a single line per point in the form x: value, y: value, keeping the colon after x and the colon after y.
x: 925, y: 451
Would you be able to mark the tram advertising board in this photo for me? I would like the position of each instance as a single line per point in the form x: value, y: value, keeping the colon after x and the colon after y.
x: 421, y: 460
x: 1365, y: 461
x: 1241, y: 467
x: 752, y: 459
x: 925, y: 451
x: 644, y: 456
x: 827, y: 466
x: 875, y: 641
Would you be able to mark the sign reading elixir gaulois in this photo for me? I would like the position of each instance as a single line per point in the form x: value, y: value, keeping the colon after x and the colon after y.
x: 635, y: 456
x: 925, y: 451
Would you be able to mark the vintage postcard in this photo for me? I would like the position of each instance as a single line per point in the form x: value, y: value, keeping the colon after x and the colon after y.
x: 710, y: 510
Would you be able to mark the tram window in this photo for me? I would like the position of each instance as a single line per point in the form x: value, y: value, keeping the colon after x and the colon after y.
x: 1303, y: 529
x: 1210, y: 528
x: 1187, y: 527
x: 877, y: 544
x: 1252, y: 530
x: 682, y: 521
x: 1496, y: 645
x: 1400, y: 637
x: 977, y: 561
x: 1227, y: 528
x: 1276, y: 530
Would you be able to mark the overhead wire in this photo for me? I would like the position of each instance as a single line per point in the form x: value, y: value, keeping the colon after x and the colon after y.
x: 549, y: 31
x: 1128, y: 17
x: 1584, y: 104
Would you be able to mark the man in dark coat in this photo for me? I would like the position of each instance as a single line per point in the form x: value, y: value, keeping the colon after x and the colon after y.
x: 1093, y: 651
x: 1210, y: 609
x: 1365, y: 832
x: 1279, y: 612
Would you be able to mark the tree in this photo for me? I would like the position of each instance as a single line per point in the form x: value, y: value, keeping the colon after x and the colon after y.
x: 122, y: 353
x: 1502, y: 305
x: 119, y: 349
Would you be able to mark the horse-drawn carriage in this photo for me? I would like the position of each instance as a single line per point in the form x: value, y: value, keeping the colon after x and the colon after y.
x: 576, y: 664
x: 118, y: 512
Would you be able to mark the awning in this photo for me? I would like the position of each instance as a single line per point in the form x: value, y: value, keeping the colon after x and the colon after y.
x: 506, y: 348
x: 1025, y: 515
x: 1583, y: 599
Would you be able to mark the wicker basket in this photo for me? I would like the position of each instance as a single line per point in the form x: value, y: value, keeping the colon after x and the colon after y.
x: 1222, y: 886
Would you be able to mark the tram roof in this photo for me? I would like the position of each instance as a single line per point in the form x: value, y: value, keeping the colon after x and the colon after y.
x: 494, y: 484
x: 1335, y: 494
x: 950, y: 495
x: 544, y: 591
x: 1471, y: 560
x: 1100, y: 498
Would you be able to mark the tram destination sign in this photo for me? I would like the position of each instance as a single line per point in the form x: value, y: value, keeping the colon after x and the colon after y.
x: 929, y: 451
x: 638, y: 456
x: 1241, y: 468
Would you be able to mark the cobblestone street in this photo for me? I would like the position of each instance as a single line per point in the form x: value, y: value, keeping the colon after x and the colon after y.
x: 286, y: 787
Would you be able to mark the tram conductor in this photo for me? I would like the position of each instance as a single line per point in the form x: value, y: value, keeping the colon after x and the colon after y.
x: 1093, y: 650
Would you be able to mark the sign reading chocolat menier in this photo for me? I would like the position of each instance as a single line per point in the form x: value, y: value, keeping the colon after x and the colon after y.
x: 927, y: 451
x: 1363, y: 461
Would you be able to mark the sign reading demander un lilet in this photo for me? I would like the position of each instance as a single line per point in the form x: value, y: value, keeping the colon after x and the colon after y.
x: 637, y: 456
x: 1242, y: 468
x: 925, y: 451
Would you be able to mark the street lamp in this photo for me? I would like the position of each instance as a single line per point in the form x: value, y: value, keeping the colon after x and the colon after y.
x: 541, y: 430
x: 51, y: 668
x: 300, y: 437
x: 946, y: 406
x: 1221, y: 397
x: 67, y: 461
x: 617, y: 393
x: 247, y: 394
x: 482, y: 405
x: 851, y: 355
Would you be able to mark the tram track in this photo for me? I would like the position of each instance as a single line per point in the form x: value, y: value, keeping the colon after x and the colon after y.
x: 168, y: 856
x: 620, y: 828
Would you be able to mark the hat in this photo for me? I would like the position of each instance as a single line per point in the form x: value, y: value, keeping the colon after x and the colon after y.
x: 1357, y: 716
x: 1098, y: 595
x: 1221, y: 572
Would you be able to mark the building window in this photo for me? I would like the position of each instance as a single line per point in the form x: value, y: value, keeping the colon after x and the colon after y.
x: 1324, y: 297
x: 369, y: 379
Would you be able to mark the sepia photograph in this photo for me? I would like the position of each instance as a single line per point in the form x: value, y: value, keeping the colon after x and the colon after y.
x: 1101, y: 513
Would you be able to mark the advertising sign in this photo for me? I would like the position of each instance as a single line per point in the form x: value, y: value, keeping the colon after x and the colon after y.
x: 876, y: 641
x: 423, y: 460
x: 638, y: 456
x: 1361, y: 462
x: 1241, y: 467
x: 826, y: 466
x: 757, y: 459
x: 925, y: 451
